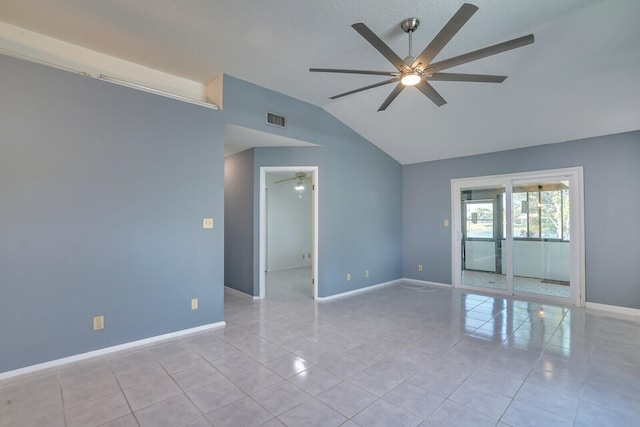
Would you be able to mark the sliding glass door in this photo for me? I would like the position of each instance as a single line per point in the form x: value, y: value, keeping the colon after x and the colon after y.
x: 520, y: 234
x: 542, y: 237
x: 482, y: 237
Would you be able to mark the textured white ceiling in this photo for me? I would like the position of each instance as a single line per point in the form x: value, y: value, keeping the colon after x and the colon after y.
x: 578, y: 79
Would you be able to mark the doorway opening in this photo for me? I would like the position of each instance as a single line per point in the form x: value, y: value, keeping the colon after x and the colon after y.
x: 289, y: 229
x: 520, y: 234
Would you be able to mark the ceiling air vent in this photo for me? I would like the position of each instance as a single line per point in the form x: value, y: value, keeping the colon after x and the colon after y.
x: 274, y: 119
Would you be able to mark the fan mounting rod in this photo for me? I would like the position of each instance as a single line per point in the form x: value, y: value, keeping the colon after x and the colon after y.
x: 409, y: 25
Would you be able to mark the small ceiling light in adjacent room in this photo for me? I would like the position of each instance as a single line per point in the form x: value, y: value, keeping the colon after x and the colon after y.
x: 299, y: 186
x: 411, y: 78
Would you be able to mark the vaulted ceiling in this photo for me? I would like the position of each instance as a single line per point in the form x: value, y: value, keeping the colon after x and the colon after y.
x: 579, y: 78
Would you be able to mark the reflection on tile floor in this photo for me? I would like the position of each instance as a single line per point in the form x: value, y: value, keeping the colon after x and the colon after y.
x: 530, y: 285
x: 399, y: 355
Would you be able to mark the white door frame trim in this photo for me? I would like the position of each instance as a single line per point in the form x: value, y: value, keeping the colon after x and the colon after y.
x: 573, y: 174
x: 263, y: 223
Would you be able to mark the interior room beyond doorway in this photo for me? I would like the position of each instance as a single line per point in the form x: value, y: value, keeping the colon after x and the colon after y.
x: 287, y: 231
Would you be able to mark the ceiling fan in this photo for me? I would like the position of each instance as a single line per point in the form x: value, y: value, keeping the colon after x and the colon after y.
x: 299, y: 176
x: 412, y: 71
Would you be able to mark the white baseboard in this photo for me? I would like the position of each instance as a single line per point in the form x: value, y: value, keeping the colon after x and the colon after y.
x: 627, y: 311
x: 357, y: 291
x: 108, y: 350
x: 425, y: 283
x: 240, y: 293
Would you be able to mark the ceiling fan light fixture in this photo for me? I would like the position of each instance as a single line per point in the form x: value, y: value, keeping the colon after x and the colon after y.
x: 411, y: 78
x: 418, y: 70
x: 299, y: 186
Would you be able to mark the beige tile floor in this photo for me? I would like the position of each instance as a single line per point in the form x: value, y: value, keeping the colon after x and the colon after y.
x: 402, y: 355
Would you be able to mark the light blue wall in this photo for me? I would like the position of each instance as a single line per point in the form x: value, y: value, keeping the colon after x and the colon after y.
x: 238, y: 226
x: 612, y: 228
x: 102, y: 194
x: 360, y: 199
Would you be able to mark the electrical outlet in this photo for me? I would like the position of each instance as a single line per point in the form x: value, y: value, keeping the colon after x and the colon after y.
x: 446, y: 222
x: 419, y: 267
x: 348, y: 276
x: 366, y: 273
x: 207, y: 222
x: 194, y: 304
x: 98, y: 323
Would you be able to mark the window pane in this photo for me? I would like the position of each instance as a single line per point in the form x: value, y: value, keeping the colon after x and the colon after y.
x: 534, y: 219
x: 565, y: 214
x: 519, y: 215
x: 480, y: 220
x: 504, y: 216
x: 551, y: 221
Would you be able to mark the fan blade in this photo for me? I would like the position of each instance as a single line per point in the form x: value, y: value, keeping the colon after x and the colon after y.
x: 366, y: 87
x: 454, y: 25
x: 394, y: 93
x: 285, y: 180
x: 380, y: 46
x: 334, y: 70
x: 431, y: 93
x: 479, y: 54
x: 457, y: 77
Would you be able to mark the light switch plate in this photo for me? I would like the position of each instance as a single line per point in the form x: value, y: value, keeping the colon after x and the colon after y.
x: 207, y: 222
